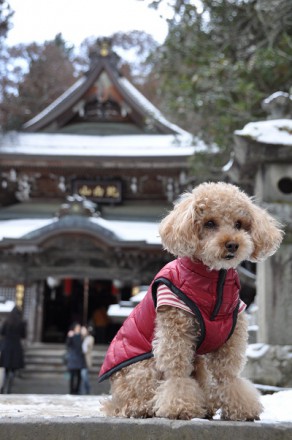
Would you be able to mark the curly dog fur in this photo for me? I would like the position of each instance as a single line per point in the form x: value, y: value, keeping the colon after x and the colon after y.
x: 221, y: 226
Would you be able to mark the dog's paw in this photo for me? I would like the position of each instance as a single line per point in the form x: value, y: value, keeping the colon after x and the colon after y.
x: 180, y: 413
x: 178, y: 398
x: 244, y: 413
x: 241, y: 417
x: 241, y: 401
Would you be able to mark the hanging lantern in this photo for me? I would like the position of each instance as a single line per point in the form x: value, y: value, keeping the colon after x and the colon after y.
x: 67, y: 286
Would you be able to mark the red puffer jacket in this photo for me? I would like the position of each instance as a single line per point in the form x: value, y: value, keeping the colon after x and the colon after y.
x: 212, y: 295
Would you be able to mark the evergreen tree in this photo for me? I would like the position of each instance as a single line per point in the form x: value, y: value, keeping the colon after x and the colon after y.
x: 220, y: 60
x: 6, y: 14
x: 39, y: 74
x: 5, y: 24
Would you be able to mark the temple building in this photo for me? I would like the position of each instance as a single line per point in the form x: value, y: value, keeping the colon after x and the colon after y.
x: 84, y: 185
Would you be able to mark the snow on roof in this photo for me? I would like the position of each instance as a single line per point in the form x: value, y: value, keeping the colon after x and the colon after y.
x: 99, y: 146
x: 7, y: 306
x: 124, y: 230
x: 55, y: 103
x: 276, y: 95
x: 149, y: 107
x: 274, y: 131
x: 131, y: 230
x: 21, y: 227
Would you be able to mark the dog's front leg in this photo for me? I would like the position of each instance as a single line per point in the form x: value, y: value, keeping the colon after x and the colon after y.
x: 237, y: 397
x: 178, y: 396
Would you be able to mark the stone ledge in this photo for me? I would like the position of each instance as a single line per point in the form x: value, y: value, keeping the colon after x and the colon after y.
x: 65, y: 417
x: 68, y: 428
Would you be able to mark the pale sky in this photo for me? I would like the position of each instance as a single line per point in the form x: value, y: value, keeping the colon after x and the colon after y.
x: 40, y: 20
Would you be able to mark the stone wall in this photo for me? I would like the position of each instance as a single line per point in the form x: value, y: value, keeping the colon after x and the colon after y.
x: 269, y: 364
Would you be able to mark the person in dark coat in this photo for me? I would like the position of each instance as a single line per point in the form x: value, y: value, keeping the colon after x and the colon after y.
x: 75, y: 357
x: 12, y: 357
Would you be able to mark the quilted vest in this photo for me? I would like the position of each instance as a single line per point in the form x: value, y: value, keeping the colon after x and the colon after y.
x: 213, y: 296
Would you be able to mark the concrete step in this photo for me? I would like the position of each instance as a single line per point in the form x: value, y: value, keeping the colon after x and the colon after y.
x: 53, y: 384
x: 45, y: 360
x: 48, y: 371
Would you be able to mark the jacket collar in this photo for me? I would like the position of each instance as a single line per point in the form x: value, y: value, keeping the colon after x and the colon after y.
x: 198, y: 267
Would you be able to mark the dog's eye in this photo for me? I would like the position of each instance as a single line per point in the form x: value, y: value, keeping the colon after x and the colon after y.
x: 210, y: 224
x: 238, y: 225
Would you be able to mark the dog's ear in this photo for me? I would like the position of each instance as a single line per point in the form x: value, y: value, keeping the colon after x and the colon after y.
x: 266, y: 233
x: 177, y: 229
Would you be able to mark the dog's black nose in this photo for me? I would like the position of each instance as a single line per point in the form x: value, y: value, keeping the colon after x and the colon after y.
x: 231, y: 246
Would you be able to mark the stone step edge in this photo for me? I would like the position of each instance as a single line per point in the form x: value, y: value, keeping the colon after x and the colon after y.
x: 75, y: 428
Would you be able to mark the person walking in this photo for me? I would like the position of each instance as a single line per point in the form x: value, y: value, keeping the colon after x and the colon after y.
x: 12, y: 356
x: 75, y: 358
x: 87, y: 348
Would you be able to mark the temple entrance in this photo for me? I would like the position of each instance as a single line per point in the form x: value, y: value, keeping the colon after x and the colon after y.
x: 78, y: 300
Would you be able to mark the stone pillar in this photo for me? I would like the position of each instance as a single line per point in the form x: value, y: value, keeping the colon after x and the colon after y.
x: 273, y: 189
x: 274, y: 298
x: 264, y: 168
x: 262, y: 165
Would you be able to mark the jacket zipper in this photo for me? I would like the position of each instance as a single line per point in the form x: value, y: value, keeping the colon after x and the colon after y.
x: 219, y: 293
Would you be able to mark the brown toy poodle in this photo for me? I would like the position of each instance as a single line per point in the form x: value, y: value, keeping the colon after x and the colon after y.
x: 180, y: 353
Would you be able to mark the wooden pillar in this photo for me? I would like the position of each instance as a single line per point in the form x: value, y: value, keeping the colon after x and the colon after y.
x: 85, y: 300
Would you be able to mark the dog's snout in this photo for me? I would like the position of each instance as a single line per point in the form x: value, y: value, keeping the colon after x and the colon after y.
x: 231, y: 246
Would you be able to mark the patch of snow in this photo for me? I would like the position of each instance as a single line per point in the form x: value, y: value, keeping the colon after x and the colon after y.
x: 276, y: 131
x: 228, y: 165
x: 253, y: 327
x: 48, y: 406
x: 277, y: 406
x: 137, y: 298
x: 118, y: 314
x: 256, y: 351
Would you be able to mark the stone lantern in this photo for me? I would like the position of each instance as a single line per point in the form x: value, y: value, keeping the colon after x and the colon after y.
x: 262, y: 164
